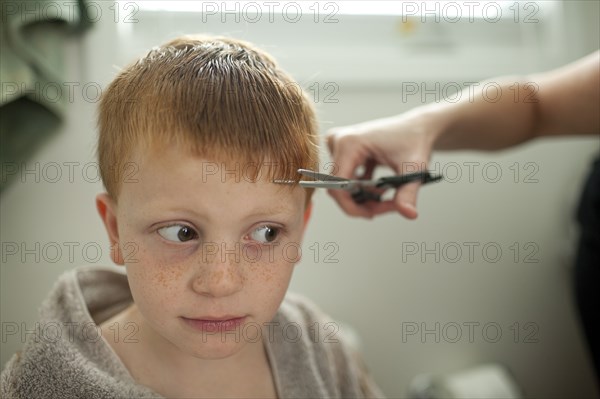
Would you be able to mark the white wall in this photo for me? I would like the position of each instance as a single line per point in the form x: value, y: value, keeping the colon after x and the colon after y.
x: 377, y: 286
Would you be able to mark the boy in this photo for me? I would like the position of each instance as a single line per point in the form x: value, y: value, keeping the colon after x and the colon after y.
x: 191, y: 138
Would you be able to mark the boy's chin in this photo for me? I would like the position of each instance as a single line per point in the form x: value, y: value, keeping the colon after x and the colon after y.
x: 216, y: 347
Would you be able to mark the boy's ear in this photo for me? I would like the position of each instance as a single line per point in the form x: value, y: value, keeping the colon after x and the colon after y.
x: 107, y: 211
x: 307, y: 213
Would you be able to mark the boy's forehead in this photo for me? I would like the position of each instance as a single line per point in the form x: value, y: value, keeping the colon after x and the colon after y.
x: 179, y: 163
x: 211, y: 162
x: 179, y: 178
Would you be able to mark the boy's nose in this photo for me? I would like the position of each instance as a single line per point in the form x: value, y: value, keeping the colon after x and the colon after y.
x: 218, y: 274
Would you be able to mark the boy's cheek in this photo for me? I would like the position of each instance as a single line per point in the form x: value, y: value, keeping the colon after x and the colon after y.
x: 271, y: 274
x: 278, y: 256
x: 157, y: 272
x: 154, y: 293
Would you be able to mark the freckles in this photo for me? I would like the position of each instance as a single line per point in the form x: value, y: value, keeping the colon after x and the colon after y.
x: 218, y: 276
x: 259, y: 271
x: 252, y: 270
x: 161, y: 278
x: 268, y: 271
x: 167, y: 274
x: 267, y: 274
x: 274, y: 272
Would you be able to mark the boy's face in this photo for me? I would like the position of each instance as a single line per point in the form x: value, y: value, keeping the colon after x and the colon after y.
x: 199, y: 245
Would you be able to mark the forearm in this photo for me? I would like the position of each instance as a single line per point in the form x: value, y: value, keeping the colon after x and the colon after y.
x: 503, y: 115
x: 570, y: 99
x: 560, y: 102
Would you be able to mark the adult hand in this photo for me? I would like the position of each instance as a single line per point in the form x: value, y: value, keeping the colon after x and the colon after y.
x: 402, y: 142
x: 559, y: 102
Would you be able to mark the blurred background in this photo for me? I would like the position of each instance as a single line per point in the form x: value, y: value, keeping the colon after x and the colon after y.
x: 484, y: 276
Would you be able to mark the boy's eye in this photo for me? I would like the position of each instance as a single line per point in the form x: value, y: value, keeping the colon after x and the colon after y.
x: 178, y: 233
x: 265, y: 234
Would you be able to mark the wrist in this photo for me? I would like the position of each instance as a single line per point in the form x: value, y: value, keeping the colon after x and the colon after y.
x: 436, y: 123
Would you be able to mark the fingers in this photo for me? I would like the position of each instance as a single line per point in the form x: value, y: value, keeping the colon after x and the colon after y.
x: 350, y: 149
x: 345, y: 201
x: 405, y: 200
x: 330, y: 138
x: 371, y: 209
x: 370, y: 166
x: 347, y: 153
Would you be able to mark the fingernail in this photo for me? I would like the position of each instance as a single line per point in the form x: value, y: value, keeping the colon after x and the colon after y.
x: 411, y: 208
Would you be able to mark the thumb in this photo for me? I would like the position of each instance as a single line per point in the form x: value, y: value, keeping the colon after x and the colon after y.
x: 329, y: 139
x: 405, y: 200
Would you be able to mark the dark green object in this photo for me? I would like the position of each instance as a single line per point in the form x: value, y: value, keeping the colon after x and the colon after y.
x: 32, y: 36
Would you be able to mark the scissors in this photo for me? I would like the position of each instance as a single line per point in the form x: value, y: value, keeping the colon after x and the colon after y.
x: 361, y: 190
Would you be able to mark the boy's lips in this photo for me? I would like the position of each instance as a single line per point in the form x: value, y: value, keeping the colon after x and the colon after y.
x: 215, y: 324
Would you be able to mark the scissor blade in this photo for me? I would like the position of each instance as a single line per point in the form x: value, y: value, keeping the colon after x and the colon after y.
x: 320, y: 176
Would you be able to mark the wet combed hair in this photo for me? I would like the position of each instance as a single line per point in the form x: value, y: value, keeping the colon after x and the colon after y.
x: 220, y: 98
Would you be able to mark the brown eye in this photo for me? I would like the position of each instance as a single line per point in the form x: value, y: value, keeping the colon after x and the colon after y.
x: 178, y: 233
x: 265, y: 234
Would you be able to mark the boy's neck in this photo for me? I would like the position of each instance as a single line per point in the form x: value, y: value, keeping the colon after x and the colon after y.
x: 155, y: 362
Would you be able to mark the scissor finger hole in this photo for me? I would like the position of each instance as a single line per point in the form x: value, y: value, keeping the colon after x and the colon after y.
x: 388, y: 195
x: 359, y: 171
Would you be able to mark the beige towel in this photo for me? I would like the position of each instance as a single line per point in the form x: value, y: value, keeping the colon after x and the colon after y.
x: 70, y: 366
